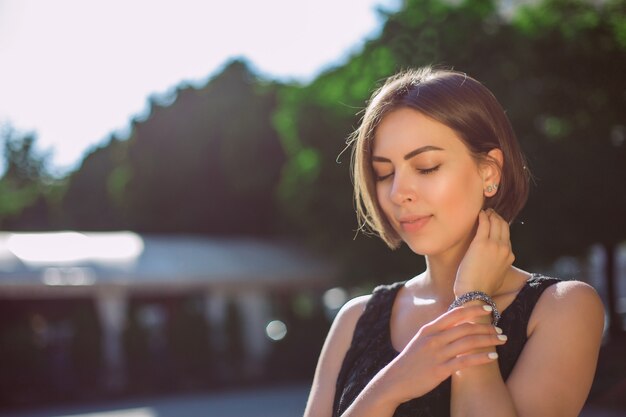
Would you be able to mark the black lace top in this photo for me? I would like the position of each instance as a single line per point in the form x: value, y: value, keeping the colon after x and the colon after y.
x: 371, y: 349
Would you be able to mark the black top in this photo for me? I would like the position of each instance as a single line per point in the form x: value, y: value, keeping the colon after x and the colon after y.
x: 371, y: 349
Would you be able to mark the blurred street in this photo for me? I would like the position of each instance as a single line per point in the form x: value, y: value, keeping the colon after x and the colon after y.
x: 272, y: 402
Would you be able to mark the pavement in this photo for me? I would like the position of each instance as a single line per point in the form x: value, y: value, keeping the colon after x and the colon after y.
x: 286, y: 401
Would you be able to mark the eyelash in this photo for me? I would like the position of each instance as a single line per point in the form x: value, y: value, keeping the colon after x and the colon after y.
x: 429, y: 170
x: 421, y: 171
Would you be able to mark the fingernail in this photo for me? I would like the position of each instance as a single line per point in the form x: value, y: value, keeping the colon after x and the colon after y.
x: 498, y: 330
x: 502, y: 337
x: 492, y: 355
x: 487, y: 308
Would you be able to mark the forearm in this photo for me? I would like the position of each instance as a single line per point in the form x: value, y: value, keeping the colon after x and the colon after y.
x: 480, y: 390
x: 376, y: 399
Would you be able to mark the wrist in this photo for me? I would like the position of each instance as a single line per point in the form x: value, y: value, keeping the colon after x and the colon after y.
x: 488, y: 319
x: 382, y: 391
x: 461, y: 289
x: 475, y: 297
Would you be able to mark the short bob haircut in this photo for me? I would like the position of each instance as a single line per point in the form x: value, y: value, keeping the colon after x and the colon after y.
x: 459, y: 102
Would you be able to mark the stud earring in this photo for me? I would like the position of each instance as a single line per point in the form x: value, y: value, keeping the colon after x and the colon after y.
x: 492, y: 188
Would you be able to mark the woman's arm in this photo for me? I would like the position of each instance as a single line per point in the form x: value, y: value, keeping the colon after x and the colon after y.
x: 554, y: 372
x: 322, y: 395
x: 560, y: 357
x: 553, y: 375
x: 429, y: 358
x: 439, y: 348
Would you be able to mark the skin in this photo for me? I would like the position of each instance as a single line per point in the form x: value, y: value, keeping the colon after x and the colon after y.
x: 440, y: 191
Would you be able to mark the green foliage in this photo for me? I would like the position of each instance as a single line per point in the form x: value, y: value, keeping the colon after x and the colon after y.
x: 200, y: 164
x: 25, y: 186
x: 568, y: 17
x: 15, y: 200
x: 93, y: 197
x: 24, y: 166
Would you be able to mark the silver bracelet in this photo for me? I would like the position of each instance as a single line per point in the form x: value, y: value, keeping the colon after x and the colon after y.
x: 481, y: 296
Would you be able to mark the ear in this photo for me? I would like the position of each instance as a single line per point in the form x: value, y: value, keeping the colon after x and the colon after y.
x: 491, y: 172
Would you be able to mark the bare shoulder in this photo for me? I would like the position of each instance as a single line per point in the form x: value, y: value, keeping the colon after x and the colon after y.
x: 345, y: 321
x: 565, y: 332
x: 342, y: 329
x: 333, y: 352
x: 352, y: 310
x: 574, y: 290
x: 576, y: 297
x: 569, y: 306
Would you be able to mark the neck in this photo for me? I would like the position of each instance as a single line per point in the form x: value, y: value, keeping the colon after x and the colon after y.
x: 441, y: 269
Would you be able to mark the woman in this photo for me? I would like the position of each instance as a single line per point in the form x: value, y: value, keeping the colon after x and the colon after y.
x: 437, y: 166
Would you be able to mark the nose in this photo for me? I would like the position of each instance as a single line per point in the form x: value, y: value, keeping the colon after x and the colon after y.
x: 402, y: 189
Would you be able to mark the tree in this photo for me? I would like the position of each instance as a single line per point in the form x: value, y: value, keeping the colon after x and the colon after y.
x: 25, y: 186
x: 93, y: 197
x: 574, y: 125
x: 209, y: 162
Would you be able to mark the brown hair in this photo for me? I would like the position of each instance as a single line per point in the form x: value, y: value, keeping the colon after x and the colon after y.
x: 459, y: 102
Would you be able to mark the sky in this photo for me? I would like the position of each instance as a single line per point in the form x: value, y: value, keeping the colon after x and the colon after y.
x: 75, y: 71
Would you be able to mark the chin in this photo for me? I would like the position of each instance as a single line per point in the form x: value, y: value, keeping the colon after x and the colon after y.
x: 423, y: 248
x: 431, y: 247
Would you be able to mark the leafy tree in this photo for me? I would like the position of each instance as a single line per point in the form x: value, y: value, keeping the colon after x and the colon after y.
x: 209, y: 162
x: 574, y: 127
x: 25, y: 187
x: 92, y: 199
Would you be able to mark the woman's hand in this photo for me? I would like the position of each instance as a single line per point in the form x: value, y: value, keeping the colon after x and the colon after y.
x: 488, y: 257
x: 441, y: 348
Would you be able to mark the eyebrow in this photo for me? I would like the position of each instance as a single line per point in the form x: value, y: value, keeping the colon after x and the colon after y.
x: 409, y: 155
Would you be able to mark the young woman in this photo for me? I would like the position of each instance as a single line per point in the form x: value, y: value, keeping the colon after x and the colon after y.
x: 437, y: 166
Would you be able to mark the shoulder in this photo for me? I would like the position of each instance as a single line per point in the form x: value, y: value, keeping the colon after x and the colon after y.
x: 350, y: 313
x: 342, y: 329
x: 379, y: 299
x: 370, y: 309
x: 569, y: 303
x: 560, y: 357
x: 570, y: 295
x: 346, y: 321
x: 332, y: 356
x: 336, y: 346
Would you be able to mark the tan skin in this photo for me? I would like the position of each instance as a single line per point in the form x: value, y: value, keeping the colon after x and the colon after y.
x: 433, y: 199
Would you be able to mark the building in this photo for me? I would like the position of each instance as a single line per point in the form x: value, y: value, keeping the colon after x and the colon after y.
x: 110, y: 269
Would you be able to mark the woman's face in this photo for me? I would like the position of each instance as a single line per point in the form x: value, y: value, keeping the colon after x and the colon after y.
x: 427, y: 183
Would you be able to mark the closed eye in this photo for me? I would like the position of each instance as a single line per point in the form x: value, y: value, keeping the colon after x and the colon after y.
x: 383, y: 177
x: 429, y: 170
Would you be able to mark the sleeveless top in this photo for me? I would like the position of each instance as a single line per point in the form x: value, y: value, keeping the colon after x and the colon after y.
x: 371, y: 349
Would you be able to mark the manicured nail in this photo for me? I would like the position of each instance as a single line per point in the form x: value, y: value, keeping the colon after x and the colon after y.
x: 492, y: 355
x: 498, y: 330
x: 502, y: 337
x: 487, y: 308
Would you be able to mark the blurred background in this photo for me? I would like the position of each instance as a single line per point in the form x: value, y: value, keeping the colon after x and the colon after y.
x: 206, y: 243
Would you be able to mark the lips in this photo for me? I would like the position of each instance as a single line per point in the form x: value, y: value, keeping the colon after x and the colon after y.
x: 413, y: 223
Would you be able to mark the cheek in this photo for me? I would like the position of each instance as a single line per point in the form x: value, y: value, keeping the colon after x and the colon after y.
x: 460, y: 194
x: 381, y: 194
